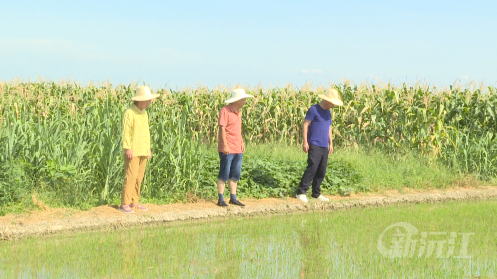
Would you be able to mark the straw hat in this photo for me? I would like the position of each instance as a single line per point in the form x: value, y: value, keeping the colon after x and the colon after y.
x: 236, y: 95
x: 143, y: 94
x: 332, y: 97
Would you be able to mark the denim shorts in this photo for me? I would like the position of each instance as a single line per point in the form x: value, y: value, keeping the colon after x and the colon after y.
x: 230, y: 166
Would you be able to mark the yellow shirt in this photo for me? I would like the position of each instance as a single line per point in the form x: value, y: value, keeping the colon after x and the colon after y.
x: 136, y: 133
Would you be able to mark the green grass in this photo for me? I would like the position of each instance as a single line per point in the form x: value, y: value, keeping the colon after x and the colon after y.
x: 274, y: 170
x: 269, y: 170
x: 319, y: 245
x: 379, y: 170
x: 382, y: 171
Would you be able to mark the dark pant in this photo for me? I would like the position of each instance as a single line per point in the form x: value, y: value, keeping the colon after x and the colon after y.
x: 317, y: 160
x: 230, y: 166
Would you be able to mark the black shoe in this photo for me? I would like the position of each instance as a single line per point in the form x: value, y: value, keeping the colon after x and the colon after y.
x: 221, y: 203
x: 236, y: 202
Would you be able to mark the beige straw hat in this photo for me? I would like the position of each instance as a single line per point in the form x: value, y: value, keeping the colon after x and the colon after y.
x: 236, y: 95
x: 143, y: 94
x: 332, y: 97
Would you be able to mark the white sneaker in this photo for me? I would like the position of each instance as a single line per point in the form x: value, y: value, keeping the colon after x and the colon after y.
x: 302, y: 198
x: 322, y: 198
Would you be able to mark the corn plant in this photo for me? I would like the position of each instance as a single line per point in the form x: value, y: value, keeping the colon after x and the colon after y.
x: 67, y: 137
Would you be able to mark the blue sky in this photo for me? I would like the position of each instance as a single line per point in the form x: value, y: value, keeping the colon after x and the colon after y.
x: 183, y: 43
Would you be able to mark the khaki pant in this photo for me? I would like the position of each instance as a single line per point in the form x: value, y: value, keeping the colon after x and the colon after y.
x: 135, y: 171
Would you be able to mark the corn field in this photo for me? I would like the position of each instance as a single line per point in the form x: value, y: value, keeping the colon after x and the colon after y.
x: 64, y: 138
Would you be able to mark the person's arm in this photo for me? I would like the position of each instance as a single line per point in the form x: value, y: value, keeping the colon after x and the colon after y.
x: 222, y: 138
x: 148, y: 137
x: 330, y: 142
x: 305, y: 129
x: 126, y: 134
x: 309, y: 117
x: 222, y: 123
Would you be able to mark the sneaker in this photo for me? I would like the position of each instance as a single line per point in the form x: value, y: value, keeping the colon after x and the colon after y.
x: 221, y: 203
x: 138, y: 206
x: 126, y: 209
x: 322, y: 198
x: 302, y: 197
x: 236, y: 202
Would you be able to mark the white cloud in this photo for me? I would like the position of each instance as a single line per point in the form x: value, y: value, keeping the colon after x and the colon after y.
x: 304, y: 71
x: 318, y: 71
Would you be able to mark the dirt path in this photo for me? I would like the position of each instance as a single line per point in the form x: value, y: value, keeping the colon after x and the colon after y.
x: 55, y: 221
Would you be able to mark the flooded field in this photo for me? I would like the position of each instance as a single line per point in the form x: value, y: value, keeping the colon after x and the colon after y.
x: 451, y: 240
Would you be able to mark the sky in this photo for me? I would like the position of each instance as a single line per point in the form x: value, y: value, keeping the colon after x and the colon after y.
x: 187, y: 43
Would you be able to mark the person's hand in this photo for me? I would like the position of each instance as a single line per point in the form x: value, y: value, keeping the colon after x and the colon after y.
x: 129, y: 154
x: 330, y: 149
x: 226, y: 150
x: 150, y: 156
x: 305, y: 147
x: 243, y: 147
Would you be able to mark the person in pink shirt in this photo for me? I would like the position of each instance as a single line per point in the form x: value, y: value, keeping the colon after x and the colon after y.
x: 231, y: 146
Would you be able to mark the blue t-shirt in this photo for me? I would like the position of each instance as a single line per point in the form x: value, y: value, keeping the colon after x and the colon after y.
x: 319, y: 129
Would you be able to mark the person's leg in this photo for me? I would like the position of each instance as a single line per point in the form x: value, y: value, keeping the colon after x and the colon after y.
x: 139, y: 179
x: 235, y: 173
x: 320, y: 173
x: 220, y: 187
x: 224, y: 171
x: 131, y: 172
x: 232, y: 184
x: 312, y: 166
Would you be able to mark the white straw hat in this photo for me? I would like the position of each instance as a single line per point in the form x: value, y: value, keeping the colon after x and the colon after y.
x: 143, y: 94
x: 236, y: 95
x: 332, y: 97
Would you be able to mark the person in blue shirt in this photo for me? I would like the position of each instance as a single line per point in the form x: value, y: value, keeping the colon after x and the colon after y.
x: 318, y: 144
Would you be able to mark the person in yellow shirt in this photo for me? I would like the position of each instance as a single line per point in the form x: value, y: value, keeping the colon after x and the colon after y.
x: 136, y: 148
